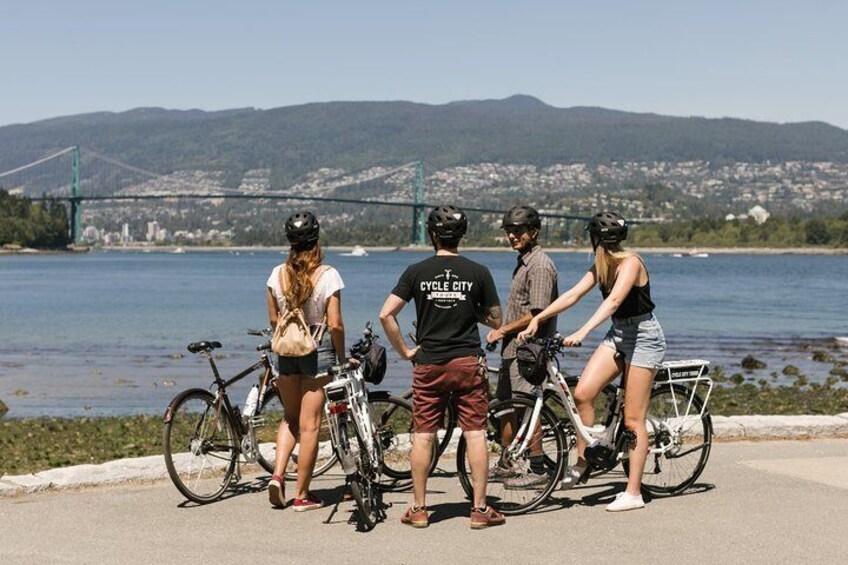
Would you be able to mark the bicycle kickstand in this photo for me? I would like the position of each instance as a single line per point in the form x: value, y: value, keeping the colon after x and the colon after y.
x: 341, y: 499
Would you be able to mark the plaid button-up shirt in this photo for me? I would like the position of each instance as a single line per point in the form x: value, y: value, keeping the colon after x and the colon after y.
x: 534, y: 287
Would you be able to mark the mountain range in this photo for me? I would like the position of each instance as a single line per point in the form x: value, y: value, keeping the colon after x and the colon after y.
x: 294, y: 140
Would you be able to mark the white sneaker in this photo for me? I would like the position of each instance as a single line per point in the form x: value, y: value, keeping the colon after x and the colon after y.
x: 572, y: 475
x: 625, y: 501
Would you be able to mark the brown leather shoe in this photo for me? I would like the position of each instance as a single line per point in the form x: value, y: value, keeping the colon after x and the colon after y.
x: 485, y: 518
x: 416, y: 517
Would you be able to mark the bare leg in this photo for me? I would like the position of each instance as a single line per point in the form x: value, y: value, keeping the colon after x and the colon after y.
x: 312, y: 407
x: 599, y: 372
x: 508, y: 425
x: 420, y: 458
x: 637, y: 397
x: 289, y: 389
x: 478, y: 459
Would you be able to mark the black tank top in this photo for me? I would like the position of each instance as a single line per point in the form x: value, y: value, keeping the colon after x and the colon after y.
x: 636, y: 303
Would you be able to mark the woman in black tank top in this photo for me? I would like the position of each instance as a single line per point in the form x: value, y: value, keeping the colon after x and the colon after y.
x: 635, y: 338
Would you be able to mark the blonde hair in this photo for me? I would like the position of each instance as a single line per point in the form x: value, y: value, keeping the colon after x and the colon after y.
x: 607, y: 259
x: 299, y: 268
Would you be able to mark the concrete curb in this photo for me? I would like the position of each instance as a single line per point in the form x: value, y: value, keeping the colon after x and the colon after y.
x: 153, y: 467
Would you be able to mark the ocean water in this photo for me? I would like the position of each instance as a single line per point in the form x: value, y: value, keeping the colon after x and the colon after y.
x: 105, y: 333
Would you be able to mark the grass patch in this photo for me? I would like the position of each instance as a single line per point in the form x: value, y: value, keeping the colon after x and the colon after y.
x: 30, y: 445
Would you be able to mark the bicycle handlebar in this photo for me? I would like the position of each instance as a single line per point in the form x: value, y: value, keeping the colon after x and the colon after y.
x: 553, y: 343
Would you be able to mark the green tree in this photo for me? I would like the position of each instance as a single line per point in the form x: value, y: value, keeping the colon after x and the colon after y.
x: 817, y: 232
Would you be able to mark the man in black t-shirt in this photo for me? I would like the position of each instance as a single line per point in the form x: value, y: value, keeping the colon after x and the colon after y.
x: 452, y: 294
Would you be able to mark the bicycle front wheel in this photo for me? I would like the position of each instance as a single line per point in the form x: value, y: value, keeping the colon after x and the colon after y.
x: 272, y: 414
x: 679, y: 439
x: 393, y: 429
x: 518, y: 489
x: 200, y: 446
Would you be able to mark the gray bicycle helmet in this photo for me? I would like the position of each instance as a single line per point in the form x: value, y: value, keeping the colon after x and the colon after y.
x: 447, y: 222
x: 522, y: 216
x: 608, y: 228
x: 302, y: 229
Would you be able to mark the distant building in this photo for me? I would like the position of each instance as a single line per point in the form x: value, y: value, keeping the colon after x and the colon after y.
x: 759, y: 214
x: 152, y: 231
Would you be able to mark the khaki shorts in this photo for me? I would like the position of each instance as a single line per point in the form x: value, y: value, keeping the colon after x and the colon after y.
x: 461, y: 381
x: 510, y: 381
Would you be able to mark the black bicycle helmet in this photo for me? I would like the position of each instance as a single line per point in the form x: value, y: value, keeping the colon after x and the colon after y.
x: 608, y: 228
x: 302, y: 229
x: 447, y: 222
x: 522, y: 216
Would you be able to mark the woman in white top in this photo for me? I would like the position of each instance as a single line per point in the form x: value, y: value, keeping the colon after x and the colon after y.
x: 316, y: 289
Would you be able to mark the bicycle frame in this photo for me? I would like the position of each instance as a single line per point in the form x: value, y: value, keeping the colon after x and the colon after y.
x: 691, y: 371
x: 244, y: 427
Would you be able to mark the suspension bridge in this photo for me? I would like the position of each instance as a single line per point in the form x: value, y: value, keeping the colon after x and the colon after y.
x: 59, y: 176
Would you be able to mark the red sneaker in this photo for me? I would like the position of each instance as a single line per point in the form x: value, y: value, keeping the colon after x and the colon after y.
x: 416, y: 517
x: 311, y: 502
x: 486, y: 517
x: 277, y: 492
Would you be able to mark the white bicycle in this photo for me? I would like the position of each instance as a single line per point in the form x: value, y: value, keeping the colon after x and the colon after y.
x: 547, y: 424
x: 356, y: 439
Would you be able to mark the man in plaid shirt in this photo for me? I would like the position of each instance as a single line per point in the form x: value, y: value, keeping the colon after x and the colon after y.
x: 533, y: 288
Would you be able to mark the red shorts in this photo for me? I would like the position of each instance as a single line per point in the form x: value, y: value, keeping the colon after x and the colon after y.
x: 461, y: 381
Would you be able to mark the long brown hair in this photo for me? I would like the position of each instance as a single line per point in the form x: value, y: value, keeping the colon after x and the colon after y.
x: 607, y: 259
x: 299, y: 268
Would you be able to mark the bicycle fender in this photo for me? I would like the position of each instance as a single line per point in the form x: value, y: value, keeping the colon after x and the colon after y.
x: 170, y: 410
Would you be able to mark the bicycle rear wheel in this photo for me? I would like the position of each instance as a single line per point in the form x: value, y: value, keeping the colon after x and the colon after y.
x: 363, y: 489
x: 523, y: 490
x: 273, y: 414
x: 685, y: 441
x: 200, y: 446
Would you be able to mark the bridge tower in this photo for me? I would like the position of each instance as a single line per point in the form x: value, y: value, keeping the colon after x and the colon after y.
x: 419, y: 236
x: 76, y: 194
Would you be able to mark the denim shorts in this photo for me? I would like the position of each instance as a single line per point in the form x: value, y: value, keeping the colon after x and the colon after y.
x: 316, y: 363
x: 640, y: 339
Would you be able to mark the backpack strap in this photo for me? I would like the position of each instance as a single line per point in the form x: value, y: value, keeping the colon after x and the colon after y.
x: 323, y: 327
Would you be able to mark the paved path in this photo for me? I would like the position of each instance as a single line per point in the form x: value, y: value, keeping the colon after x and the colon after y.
x: 757, y: 502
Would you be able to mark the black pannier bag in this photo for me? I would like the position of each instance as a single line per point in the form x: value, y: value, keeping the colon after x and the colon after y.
x: 374, y: 364
x: 532, y: 365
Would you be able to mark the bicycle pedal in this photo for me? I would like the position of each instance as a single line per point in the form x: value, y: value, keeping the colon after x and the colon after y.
x: 257, y: 421
x: 584, y: 477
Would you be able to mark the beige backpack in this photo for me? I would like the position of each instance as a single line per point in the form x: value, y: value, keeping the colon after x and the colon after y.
x: 292, y: 337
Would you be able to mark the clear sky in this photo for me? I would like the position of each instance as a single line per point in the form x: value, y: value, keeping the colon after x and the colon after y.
x: 762, y: 60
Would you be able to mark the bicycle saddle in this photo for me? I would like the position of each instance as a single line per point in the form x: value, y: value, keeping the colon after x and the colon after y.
x: 199, y: 346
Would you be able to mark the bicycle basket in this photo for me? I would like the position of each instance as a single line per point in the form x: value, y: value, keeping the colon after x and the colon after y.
x: 532, y: 365
x: 374, y: 364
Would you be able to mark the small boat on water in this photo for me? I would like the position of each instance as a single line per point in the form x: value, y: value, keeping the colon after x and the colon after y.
x: 693, y: 253
x: 357, y: 251
x: 178, y: 250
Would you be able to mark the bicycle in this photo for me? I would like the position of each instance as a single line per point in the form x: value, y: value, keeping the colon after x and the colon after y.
x: 357, y: 441
x: 204, y: 434
x: 679, y: 434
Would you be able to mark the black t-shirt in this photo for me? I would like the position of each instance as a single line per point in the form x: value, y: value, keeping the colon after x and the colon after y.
x: 451, y: 293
